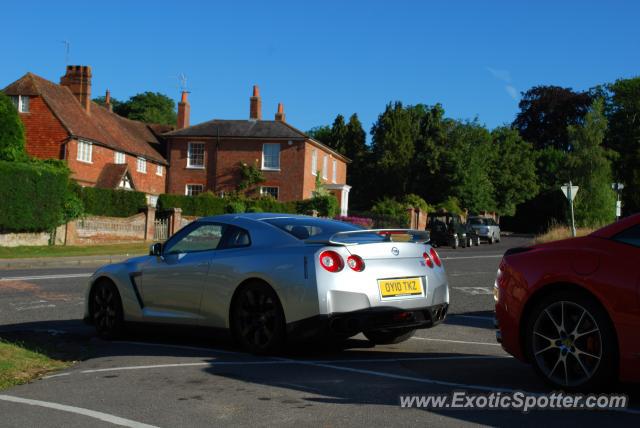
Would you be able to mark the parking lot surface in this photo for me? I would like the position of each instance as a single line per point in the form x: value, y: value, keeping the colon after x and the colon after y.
x: 172, y: 377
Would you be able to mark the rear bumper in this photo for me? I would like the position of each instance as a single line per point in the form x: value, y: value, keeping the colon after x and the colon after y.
x: 347, y: 324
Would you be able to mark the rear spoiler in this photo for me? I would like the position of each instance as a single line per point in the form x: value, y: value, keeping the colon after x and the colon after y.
x: 421, y: 236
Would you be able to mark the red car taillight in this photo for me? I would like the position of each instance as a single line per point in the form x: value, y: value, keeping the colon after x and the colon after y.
x: 331, y: 261
x: 427, y: 259
x: 435, y: 257
x: 355, y: 263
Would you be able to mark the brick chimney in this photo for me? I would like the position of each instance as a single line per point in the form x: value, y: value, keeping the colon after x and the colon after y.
x: 184, y: 111
x: 280, y: 116
x: 78, y: 80
x: 107, y: 101
x: 255, y: 106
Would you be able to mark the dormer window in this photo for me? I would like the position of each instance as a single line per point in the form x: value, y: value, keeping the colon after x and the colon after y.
x: 21, y: 102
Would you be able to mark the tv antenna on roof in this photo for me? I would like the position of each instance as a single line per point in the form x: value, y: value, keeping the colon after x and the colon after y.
x: 183, y: 82
x: 67, y: 48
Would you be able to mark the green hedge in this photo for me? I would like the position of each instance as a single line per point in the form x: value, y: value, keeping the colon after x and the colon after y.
x: 204, y: 204
x: 327, y: 206
x: 32, y: 196
x: 111, y: 202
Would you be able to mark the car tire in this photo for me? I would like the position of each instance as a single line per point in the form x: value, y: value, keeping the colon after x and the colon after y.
x: 464, y: 243
x: 257, y: 319
x: 389, y: 337
x: 571, y: 343
x: 492, y: 240
x: 106, y: 310
x: 456, y: 242
x: 478, y: 241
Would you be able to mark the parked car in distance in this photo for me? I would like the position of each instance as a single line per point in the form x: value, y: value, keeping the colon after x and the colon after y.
x: 571, y: 308
x: 486, y: 228
x: 447, y: 229
x: 269, y: 278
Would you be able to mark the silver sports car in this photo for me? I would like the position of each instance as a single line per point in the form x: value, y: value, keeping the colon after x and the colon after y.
x: 273, y: 277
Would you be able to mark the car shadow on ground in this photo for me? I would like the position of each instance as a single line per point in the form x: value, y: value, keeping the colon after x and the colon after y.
x: 476, y: 319
x: 323, y: 374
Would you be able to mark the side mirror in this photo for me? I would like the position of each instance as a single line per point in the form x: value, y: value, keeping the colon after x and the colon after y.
x: 155, y: 249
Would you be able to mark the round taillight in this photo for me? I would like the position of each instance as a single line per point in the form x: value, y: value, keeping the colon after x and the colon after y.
x: 435, y: 257
x: 355, y: 263
x: 427, y: 259
x: 331, y: 261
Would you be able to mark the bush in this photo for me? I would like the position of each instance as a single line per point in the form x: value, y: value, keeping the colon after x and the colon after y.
x: 389, y: 213
x: 12, y: 141
x: 415, y: 201
x: 450, y: 205
x: 205, y: 204
x: 234, y: 206
x: 327, y: 206
x: 111, y: 202
x: 32, y: 195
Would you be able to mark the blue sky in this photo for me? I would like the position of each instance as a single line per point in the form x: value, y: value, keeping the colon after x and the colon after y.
x: 326, y: 57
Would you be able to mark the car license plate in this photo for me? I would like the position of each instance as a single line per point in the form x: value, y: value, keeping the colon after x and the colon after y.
x: 400, y: 287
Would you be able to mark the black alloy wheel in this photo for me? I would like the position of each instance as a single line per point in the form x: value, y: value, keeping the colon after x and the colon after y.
x: 258, y: 321
x: 106, y: 310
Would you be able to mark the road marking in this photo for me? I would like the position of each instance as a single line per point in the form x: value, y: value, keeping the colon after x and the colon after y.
x: 156, y: 366
x: 487, y: 256
x: 43, y: 277
x: 57, y: 375
x: 106, y: 417
x: 455, y: 341
x: 475, y: 291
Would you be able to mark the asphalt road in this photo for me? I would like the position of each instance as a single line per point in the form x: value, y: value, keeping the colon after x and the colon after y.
x: 170, y: 377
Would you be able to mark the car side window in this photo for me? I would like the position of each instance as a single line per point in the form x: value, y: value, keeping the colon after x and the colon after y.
x: 235, y: 237
x: 629, y: 236
x: 204, y: 237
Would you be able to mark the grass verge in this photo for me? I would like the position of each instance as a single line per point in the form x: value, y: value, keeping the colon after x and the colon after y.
x: 557, y: 233
x: 74, y: 250
x: 20, y: 365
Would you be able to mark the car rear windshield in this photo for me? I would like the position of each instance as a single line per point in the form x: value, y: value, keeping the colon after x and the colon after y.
x: 477, y: 221
x: 319, y: 229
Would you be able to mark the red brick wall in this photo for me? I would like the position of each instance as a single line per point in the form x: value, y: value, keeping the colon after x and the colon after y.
x: 294, y: 179
x: 45, y: 134
x: 310, y: 179
x: 87, y: 173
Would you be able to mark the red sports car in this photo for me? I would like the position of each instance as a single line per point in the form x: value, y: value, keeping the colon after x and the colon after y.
x: 571, y: 308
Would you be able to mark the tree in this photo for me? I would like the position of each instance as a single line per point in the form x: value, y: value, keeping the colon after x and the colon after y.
x: 115, y: 103
x: 514, y: 171
x: 338, y: 135
x: 623, y: 136
x: 393, y: 150
x: 589, y: 164
x: 545, y: 113
x: 355, y: 139
x: 149, y: 107
x: 322, y: 134
x: 429, y: 144
x: 12, y: 140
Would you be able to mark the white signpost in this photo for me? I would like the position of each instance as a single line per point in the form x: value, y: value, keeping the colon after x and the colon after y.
x: 570, y: 191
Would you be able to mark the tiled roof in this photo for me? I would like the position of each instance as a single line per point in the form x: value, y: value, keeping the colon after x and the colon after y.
x: 100, y: 125
x: 111, y: 175
x: 240, y: 129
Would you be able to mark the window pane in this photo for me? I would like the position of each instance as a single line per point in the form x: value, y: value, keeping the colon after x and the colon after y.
x: 24, y: 104
x: 271, y: 156
x: 236, y: 238
x: 314, y: 162
x: 195, y: 155
x: 325, y: 166
x: 269, y: 191
x: 142, y: 165
x: 194, y: 189
x: 335, y: 172
x: 203, y: 238
x: 630, y: 236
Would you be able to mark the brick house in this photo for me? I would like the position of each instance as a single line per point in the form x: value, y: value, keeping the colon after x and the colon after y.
x: 207, y: 156
x: 101, y: 148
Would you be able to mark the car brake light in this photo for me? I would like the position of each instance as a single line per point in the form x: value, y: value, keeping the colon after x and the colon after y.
x: 435, y: 257
x: 355, y: 263
x: 427, y: 259
x: 331, y: 261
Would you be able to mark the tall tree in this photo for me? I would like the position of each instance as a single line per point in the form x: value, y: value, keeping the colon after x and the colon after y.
x: 322, y: 134
x: 545, y: 113
x: 589, y: 164
x: 12, y: 141
x: 513, y: 173
x: 624, y: 137
x: 431, y: 139
x: 150, y: 107
x: 393, y: 150
x: 339, y: 134
x: 355, y: 144
x: 115, y: 103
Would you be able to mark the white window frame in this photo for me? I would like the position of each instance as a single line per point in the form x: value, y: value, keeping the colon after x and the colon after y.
x: 159, y: 170
x: 264, y: 192
x: 190, y: 152
x: 21, y: 102
x: 325, y: 166
x: 334, y: 174
x: 186, y: 189
x: 141, y: 165
x: 265, y: 155
x: 85, y: 151
x: 314, y: 161
x: 120, y: 158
